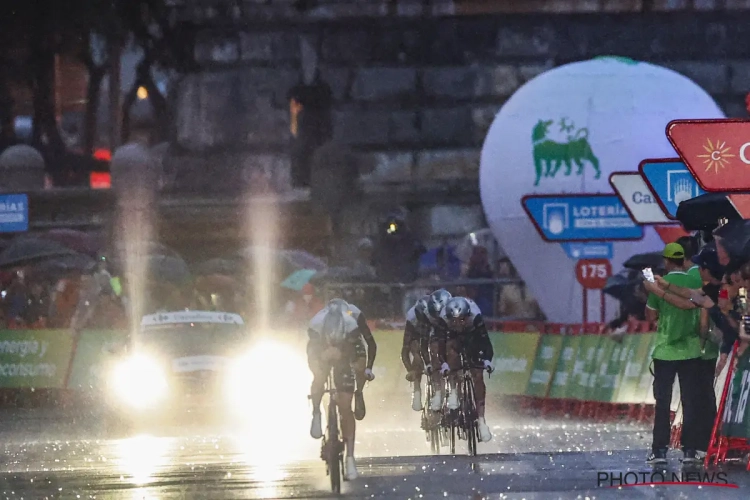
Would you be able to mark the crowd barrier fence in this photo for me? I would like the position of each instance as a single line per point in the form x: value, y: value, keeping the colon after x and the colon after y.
x: 546, y: 368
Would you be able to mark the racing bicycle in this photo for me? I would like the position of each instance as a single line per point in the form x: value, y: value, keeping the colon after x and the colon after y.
x: 461, y: 424
x: 332, y: 448
x: 431, y: 421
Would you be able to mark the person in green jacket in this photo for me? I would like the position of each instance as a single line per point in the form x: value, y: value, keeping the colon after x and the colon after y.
x: 711, y: 273
x: 677, y: 352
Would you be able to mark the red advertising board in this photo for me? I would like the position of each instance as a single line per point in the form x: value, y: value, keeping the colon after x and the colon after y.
x: 670, y: 233
x: 717, y: 152
x: 592, y: 274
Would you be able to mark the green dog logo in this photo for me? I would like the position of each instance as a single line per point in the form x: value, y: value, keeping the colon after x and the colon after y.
x: 550, y: 155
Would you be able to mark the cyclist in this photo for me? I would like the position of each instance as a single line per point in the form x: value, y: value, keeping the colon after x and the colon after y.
x: 336, y: 336
x: 416, y: 332
x: 434, y: 345
x: 465, y: 329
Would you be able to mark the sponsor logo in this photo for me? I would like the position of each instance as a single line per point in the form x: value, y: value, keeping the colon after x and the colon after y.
x: 550, y: 155
x: 717, y: 155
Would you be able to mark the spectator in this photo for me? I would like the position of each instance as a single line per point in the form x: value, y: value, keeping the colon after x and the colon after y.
x: 63, y: 301
x: 448, y: 266
x: 36, y: 312
x: 16, y: 301
x: 397, y: 253
x: 479, y: 268
x: 677, y: 353
x: 306, y: 305
x: 362, y: 266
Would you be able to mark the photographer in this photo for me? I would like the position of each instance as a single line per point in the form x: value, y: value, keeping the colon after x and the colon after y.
x: 710, y: 272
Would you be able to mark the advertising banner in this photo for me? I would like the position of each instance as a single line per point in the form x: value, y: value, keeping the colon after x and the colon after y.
x: 563, y: 377
x: 736, y: 421
x: 585, y: 366
x: 547, y: 356
x: 514, y: 360
x: 598, y: 380
x: 635, y: 354
x: 95, y: 352
x: 34, y: 358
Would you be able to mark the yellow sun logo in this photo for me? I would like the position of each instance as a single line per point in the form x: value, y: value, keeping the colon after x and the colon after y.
x: 716, y: 155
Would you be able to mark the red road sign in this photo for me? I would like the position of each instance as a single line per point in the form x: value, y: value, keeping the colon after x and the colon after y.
x: 592, y: 274
x: 717, y: 152
x: 670, y: 234
x: 741, y: 203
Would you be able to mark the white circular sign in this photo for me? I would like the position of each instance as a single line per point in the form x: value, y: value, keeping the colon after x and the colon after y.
x: 566, y: 131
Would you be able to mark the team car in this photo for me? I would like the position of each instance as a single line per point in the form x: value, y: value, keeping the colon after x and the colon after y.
x: 182, y: 363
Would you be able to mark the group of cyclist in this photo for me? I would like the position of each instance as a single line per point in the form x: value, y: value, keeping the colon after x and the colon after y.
x: 438, y: 327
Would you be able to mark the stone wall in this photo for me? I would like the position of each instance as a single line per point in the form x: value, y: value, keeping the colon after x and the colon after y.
x: 417, y: 93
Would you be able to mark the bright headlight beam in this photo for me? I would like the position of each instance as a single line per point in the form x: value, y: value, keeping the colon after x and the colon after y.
x: 139, y: 381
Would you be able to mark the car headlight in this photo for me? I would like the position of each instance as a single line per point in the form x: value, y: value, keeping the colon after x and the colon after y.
x: 139, y: 381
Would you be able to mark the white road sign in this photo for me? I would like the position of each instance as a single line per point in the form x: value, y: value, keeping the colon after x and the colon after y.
x: 637, y: 197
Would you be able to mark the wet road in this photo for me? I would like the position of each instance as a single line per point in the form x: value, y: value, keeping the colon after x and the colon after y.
x: 45, y: 457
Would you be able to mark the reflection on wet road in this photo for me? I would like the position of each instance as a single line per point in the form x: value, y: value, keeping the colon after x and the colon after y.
x: 535, y: 459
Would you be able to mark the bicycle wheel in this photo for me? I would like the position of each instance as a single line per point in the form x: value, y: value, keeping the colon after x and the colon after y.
x: 470, y: 415
x: 334, y: 453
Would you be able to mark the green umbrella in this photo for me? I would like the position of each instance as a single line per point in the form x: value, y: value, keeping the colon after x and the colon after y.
x: 298, y: 279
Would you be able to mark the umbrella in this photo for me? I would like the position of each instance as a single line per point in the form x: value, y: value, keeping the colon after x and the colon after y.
x: 169, y: 269
x: 298, y: 279
x: 25, y: 251
x: 285, y: 262
x: 621, y: 284
x: 59, y: 266
x: 79, y: 241
x: 733, y: 239
x: 638, y: 262
x: 703, y: 212
x: 483, y: 238
x: 220, y: 266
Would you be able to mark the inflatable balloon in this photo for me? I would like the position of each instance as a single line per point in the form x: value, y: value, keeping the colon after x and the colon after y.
x: 566, y: 131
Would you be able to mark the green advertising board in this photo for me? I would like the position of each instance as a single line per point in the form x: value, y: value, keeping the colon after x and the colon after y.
x: 94, y: 353
x: 599, y: 381
x: 565, y: 365
x: 547, y: 356
x: 736, y: 421
x: 645, y: 392
x: 634, y: 361
x: 585, y: 364
x: 34, y: 358
x: 513, y: 362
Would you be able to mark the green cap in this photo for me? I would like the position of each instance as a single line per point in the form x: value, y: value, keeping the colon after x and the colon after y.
x: 674, y: 251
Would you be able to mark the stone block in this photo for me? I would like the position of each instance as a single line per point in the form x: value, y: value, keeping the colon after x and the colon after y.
x: 740, y: 79
x: 389, y: 168
x: 399, y: 45
x: 377, y: 84
x: 667, y: 5
x: 459, y: 40
x: 339, y: 81
x: 269, y: 47
x: 712, y: 76
x: 501, y: 80
x: 452, y: 82
x: 346, y: 45
x: 265, y: 174
x: 445, y: 127
x: 621, y: 6
x: 215, y: 50
x: 528, y: 72
x: 737, y: 4
x: 483, y: 116
x: 538, y: 40
x: 704, y: 4
x: 403, y: 127
x: 734, y: 107
x: 448, y: 164
x: 451, y: 220
x: 361, y: 127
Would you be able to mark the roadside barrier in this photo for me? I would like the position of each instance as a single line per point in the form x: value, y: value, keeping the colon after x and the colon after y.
x: 548, y: 369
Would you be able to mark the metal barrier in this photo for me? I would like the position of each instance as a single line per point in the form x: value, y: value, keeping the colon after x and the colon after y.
x: 499, y: 299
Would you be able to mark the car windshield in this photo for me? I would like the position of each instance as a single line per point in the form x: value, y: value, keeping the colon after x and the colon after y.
x: 192, y: 339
